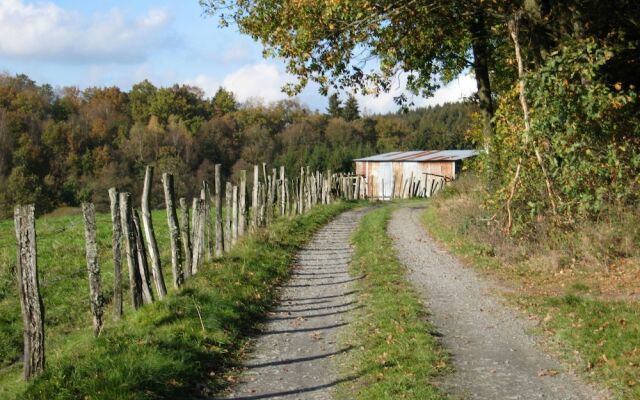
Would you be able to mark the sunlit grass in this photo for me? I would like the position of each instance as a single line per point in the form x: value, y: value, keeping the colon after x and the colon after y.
x: 395, y: 356
x: 177, y: 348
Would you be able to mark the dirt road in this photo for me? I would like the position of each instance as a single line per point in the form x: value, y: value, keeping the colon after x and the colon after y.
x: 493, y: 355
x: 293, y: 358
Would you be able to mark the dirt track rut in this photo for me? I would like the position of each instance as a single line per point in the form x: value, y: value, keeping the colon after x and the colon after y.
x: 493, y: 355
x: 293, y: 357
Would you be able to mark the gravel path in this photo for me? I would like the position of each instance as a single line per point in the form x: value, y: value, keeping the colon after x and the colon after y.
x: 493, y: 356
x: 294, y: 356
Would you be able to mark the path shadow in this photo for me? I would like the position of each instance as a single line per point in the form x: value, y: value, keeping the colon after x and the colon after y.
x: 300, y: 359
x: 295, y: 391
x: 311, y: 316
x: 313, y: 308
x: 319, y: 328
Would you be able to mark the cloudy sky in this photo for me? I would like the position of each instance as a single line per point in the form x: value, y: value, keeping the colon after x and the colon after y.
x: 118, y: 42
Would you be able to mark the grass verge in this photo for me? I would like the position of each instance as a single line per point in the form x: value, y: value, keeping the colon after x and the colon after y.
x: 181, y: 346
x: 396, y: 357
x: 595, y: 332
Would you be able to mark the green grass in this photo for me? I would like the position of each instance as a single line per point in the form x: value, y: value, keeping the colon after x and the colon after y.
x: 177, y: 348
x: 396, y: 356
x: 600, y: 338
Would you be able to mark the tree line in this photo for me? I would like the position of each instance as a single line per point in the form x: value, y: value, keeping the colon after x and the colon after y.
x: 65, y: 146
x: 557, y: 83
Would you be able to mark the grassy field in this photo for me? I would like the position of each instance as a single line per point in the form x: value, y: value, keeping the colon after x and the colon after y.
x: 586, y: 306
x: 177, y: 348
x: 396, y: 357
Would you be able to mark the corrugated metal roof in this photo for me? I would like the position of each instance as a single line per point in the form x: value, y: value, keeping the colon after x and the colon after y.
x: 421, y: 155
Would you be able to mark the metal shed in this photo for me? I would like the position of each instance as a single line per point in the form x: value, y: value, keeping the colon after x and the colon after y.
x: 402, y: 174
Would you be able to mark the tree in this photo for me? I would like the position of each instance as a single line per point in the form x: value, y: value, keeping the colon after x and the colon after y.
x: 330, y: 42
x: 223, y: 102
x: 351, y: 111
x: 140, y: 99
x: 334, y: 109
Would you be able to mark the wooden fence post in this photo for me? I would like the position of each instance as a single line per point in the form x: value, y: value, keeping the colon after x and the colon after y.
x: 198, y: 234
x: 301, y: 192
x: 254, y: 198
x: 93, y: 268
x: 186, y: 237
x: 143, y: 265
x: 234, y: 215
x: 227, y: 215
x: 242, y: 205
x: 150, y: 236
x: 174, y: 230
x: 218, y: 209
x: 205, y: 194
x: 29, y: 290
x: 283, y: 192
x: 116, y: 245
x: 135, y: 284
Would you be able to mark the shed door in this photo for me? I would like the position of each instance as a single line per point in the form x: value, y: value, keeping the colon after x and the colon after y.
x: 385, y: 180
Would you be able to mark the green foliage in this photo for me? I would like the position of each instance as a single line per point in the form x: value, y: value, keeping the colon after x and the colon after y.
x: 334, y: 109
x: 164, y: 350
x: 398, y: 357
x: 587, y: 130
x: 350, y: 112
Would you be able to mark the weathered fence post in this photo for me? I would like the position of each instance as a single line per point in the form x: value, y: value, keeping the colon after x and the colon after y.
x: 143, y: 265
x: 218, y: 209
x: 29, y: 290
x: 93, y: 268
x: 186, y: 237
x: 150, y: 236
x: 197, y: 219
x: 174, y: 230
x: 254, y: 198
x: 135, y: 284
x: 227, y: 214
x: 116, y: 240
x: 242, y: 205
x: 301, y: 192
x: 269, y: 202
x: 234, y: 215
x: 283, y: 192
x: 205, y: 194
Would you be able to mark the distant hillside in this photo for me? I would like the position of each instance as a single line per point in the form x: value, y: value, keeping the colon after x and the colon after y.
x: 62, y: 147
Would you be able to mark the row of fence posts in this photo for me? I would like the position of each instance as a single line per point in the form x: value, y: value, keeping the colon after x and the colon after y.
x: 413, y: 186
x: 193, y: 242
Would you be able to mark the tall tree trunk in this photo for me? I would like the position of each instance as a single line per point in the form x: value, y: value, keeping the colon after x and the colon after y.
x: 513, y: 26
x: 480, y: 48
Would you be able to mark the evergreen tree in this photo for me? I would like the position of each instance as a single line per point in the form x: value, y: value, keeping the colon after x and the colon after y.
x: 335, y: 106
x: 351, y: 111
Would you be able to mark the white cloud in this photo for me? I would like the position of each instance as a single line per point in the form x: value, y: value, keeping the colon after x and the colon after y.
x: 456, y: 90
x: 206, y: 83
x: 48, y: 32
x: 262, y: 80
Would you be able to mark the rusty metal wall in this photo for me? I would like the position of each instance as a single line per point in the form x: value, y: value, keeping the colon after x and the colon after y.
x: 425, y: 176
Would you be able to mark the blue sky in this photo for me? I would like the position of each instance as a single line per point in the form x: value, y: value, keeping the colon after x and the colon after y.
x: 117, y: 42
